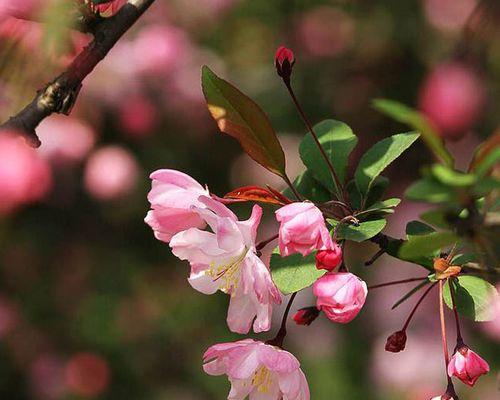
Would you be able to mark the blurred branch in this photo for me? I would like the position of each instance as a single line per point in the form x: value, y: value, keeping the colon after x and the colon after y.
x: 60, y: 95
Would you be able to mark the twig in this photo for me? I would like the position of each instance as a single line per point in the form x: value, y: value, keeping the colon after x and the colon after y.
x: 60, y: 95
x: 280, y: 336
x: 396, y: 282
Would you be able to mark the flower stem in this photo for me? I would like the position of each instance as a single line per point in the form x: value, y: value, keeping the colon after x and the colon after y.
x: 443, y: 333
x: 264, y: 243
x: 457, y: 321
x: 302, y: 114
x: 292, y: 187
x: 280, y: 336
x: 408, y: 320
x: 396, y: 282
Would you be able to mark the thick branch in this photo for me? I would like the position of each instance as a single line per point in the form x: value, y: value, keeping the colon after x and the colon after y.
x: 60, y: 95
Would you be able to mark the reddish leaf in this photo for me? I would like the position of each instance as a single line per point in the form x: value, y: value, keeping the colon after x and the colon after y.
x: 254, y: 193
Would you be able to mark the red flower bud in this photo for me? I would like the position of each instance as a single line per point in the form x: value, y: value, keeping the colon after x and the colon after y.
x: 396, y: 342
x: 284, y: 60
x: 305, y: 316
x: 329, y: 259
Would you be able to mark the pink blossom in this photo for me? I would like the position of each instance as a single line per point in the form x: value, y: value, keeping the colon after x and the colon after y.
x: 302, y: 229
x: 23, y: 9
x: 113, y: 6
x: 173, y: 196
x: 111, y: 172
x: 340, y: 295
x: 226, y: 260
x: 467, y: 366
x: 24, y: 176
x: 329, y: 259
x: 257, y: 370
x: 137, y: 115
x: 87, y: 374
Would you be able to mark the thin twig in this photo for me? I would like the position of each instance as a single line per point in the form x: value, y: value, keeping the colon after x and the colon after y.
x: 396, y: 282
x: 415, y: 308
x: 280, y: 336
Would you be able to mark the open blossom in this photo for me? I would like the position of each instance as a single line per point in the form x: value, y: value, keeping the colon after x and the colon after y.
x: 340, y: 295
x: 302, y: 229
x: 226, y: 260
x: 257, y: 370
x: 173, y: 196
x: 467, y: 366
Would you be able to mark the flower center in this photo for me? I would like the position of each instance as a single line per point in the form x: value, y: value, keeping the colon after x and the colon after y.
x: 262, y: 379
x: 227, y: 274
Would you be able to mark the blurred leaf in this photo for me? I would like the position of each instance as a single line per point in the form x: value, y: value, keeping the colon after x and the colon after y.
x: 487, y: 155
x: 461, y: 259
x: 416, y: 228
x: 310, y: 188
x: 474, y: 297
x: 426, y: 245
x: 294, y: 273
x: 410, y: 293
x: 376, y: 159
x: 485, y: 186
x: 338, y: 141
x: 254, y: 193
x: 239, y: 116
x: 451, y: 177
x: 419, y: 122
x: 364, y: 231
x: 436, y: 217
x: 430, y: 190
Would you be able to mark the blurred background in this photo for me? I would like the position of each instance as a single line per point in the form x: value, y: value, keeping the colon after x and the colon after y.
x: 93, y: 307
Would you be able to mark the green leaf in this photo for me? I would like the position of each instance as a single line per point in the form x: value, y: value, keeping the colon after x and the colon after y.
x: 381, y: 207
x: 310, y: 188
x: 410, y: 293
x: 426, y: 245
x: 294, y: 273
x: 365, y: 230
x: 240, y: 117
x: 431, y: 191
x: 451, y: 177
x: 338, y: 141
x: 461, y: 259
x: 419, y: 122
x: 437, y: 218
x: 474, y: 297
x: 377, y: 190
x: 376, y: 159
x: 416, y: 228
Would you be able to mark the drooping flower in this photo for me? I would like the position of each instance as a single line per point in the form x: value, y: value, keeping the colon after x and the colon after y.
x: 329, y: 259
x: 467, y: 366
x: 305, y: 316
x: 340, y: 295
x: 302, y: 229
x: 257, y: 370
x: 226, y: 260
x: 172, y: 196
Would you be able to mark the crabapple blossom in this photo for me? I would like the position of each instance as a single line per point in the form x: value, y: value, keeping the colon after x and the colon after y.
x: 330, y: 258
x: 302, y: 229
x: 173, y: 197
x: 467, y: 366
x: 226, y: 260
x: 340, y: 295
x: 257, y: 370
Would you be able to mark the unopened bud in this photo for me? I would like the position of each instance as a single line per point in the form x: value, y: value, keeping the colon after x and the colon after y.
x: 396, y: 342
x: 284, y: 60
x: 305, y: 316
x: 329, y: 259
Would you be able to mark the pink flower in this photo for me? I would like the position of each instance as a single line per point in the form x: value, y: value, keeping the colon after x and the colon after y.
x: 284, y: 60
x: 467, y: 366
x: 340, y: 295
x: 302, y: 229
x: 226, y: 260
x: 172, y: 196
x: 329, y: 259
x: 257, y: 370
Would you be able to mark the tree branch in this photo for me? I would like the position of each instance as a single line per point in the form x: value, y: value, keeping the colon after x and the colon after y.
x: 60, y: 95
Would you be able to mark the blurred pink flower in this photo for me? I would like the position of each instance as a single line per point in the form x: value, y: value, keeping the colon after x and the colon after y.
x: 452, y: 96
x: 326, y: 32
x: 87, y: 374
x: 23, y: 9
x: 173, y: 197
x: 302, y: 229
x: 111, y: 172
x: 448, y: 15
x: 258, y: 370
x: 226, y: 260
x: 46, y: 376
x: 65, y: 139
x: 467, y: 366
x: 492, y: 327
x: 137, y: 115
x: 24, y: 176
x: 340, y: 295
x: 330, y: 258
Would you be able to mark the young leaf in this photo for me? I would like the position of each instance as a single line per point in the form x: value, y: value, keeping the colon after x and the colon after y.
x: 338, y: 141
x: 294, y: 273
x: 474, y: 297
x: 426, y: 245
x: 420, y: 123
x: 431, y: 191
x: 416, y: 228
x: 364, y: 231
x: 376, y: 159
x: 254, y: 193
x: 380, y: 207
x: 239, y: 116
x: 450, y: 177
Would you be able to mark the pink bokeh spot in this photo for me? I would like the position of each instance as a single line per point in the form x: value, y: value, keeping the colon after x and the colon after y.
x: 87, y: 374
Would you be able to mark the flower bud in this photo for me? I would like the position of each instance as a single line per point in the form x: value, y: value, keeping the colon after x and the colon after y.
x: 284, y: 60
x: 305, y: 316
x: 329, y: 259
x: 396, y: 342
x: 467, y: 366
